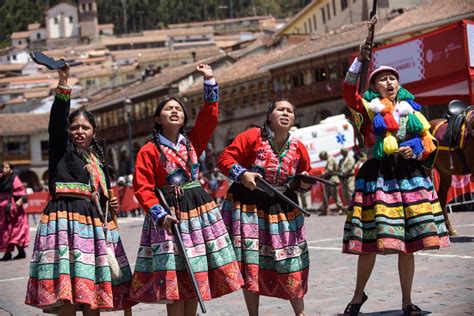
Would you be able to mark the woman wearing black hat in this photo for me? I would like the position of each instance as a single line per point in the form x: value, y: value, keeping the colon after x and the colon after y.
x: 268, y: 236
x: 169, y: 163
x: 395, y: 208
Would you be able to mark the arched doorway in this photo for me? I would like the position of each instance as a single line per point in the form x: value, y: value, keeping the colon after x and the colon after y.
x: 30, y: 178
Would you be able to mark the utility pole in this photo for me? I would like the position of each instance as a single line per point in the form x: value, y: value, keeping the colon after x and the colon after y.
x: 124, y: 7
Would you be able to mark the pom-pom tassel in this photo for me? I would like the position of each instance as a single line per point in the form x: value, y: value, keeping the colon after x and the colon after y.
x: 423, y: 120
x: 371, y: 94
x: 390, y: 145
x: 379, y: 124
x: 414, y: 105
x: 404, y: 95
x: 377, y: 151
x: 413, y: 124
x: 415, y: 144
x: 428, y: 143
x: 392, y: 125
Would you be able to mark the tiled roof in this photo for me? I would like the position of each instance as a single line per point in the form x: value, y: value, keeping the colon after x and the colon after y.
x: 23, y: 124
x: 435, y: 11
x: 33, y: 26
x: 20, y: 35
x: 193, y: 24
x: 167, y: 76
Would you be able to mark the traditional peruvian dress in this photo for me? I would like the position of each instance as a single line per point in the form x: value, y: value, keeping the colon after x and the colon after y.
x: 70, y: 261
x: 267, y: 234
x: 160, y: 273
x: 395, y: 207
x: 14, y: 229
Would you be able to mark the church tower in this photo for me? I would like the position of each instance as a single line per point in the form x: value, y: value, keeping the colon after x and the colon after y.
x: 88, y: 18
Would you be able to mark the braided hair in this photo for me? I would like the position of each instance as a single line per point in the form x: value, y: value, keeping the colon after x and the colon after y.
x: 266, y: 126
x: 157, y: 130
x: 98, y: 151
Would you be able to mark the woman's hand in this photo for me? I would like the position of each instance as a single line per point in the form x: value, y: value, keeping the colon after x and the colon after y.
x: 63, y: 74
x: 304, y: 185
x: 364, y: 51
x: 248, y: 179
x: 114, y: 203
x: 206, y: 71
x: 19, y: 203
x: 167, y: 222
x: 406, y: 152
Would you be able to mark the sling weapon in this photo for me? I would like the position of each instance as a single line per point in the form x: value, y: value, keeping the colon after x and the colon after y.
x: 370, y: 41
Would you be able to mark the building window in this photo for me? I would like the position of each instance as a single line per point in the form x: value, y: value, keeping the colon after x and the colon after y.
x: 343, y: 4
x: 333, y: 70
x: 38, y: 35
x: 44, y: 150
x: 305, y: 28
x: 90, y: 6
x: 13, y: 57
x: 328, y: 11
x: 71, y: 19
x: 320, y: 74
x: 315, y: 24
x: 310, y: 26
x: 16, y: 148
x: 323, y: 15
x: 83, y: 7
x: 334, y: 7
x: 56, y: 20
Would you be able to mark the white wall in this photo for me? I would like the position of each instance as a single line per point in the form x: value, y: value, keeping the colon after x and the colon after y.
x: 35, y: 144
x: 42, y: 35
x: 64, y: 27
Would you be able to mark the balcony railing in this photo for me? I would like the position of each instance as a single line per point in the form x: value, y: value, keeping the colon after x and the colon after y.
x: 315, y: 92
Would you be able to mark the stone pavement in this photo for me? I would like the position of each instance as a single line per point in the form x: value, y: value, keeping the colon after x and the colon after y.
x: 444, y: 279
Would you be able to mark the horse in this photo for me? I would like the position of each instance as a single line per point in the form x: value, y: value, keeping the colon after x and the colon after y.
x: 455, y: 154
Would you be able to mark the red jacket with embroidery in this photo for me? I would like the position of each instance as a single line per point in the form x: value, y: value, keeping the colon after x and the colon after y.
x: 354, y: 101
x: 150, y: 173
x: 250, y: 151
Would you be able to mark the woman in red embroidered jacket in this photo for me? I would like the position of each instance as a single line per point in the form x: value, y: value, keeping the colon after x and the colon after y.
x: 394, y: 208
x: 268, y: 236
x: 72, y: 266
x: 170, y: 163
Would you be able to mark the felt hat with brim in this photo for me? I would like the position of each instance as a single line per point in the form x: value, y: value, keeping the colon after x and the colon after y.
x: 383, y: 68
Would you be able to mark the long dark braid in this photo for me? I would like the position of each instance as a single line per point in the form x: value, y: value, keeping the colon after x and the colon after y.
x: 156, y: 140
x: 98, y: 151
x: 189, y: 161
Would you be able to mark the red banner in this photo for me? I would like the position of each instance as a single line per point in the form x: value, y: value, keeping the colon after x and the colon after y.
x: 127, y: 200
x: 37, y: 202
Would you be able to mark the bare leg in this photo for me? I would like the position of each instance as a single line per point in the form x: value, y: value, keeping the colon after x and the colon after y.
x: 406, y: 270
x: 190, y: 307
x: 251, y: 300
x: 87, y: 311
x: 67, y: 309
x: 365, y: 265
x: 298, y: 306
x: 175, y: 309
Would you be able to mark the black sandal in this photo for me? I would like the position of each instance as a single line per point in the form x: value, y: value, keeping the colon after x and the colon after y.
x: 411, y: 310
x: 353, y: 309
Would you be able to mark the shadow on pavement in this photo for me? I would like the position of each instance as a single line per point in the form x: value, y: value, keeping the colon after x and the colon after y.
x: 395, y: 312
x: 461, y: 239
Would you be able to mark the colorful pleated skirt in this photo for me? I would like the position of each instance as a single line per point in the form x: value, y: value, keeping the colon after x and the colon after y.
x: 160, y: 274
x: 394, y: 209
x: 70, y: 263
x: 269, y: 242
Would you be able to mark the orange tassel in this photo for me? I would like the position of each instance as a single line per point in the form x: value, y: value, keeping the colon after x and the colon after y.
x: 388, y: 105
x: 428, y: 142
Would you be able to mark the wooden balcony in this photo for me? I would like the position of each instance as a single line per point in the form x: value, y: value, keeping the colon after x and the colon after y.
x: 120, y: 132
x: 315, y: 93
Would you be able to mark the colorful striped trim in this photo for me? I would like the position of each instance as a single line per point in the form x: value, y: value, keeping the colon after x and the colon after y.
x: 63, y: 93
x: 73, y: 188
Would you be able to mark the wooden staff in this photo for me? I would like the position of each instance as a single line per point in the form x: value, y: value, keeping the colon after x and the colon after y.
x: 370, y: 40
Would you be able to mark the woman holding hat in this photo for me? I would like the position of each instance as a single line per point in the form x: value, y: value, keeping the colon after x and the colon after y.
x: 268, y: 235
x: 169, y: 163
x: 395, y: 208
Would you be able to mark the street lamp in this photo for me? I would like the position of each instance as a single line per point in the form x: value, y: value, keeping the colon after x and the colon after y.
x: 128, y: 107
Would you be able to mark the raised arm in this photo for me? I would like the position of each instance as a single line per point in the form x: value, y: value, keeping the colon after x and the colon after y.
x: 206, y: 121
x: 58, y: 120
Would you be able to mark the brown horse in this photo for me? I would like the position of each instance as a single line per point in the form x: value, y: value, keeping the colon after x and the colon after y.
x: 450, y: 161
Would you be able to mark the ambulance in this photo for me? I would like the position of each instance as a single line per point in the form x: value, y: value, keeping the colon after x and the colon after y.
x: 330, y: 135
